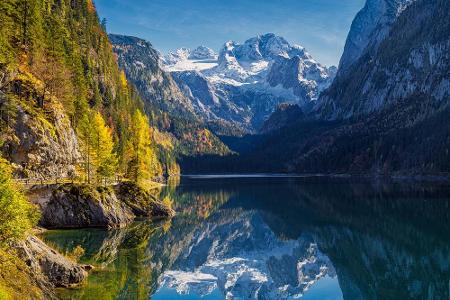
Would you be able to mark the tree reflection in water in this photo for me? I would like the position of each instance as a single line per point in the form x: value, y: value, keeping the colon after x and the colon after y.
x: 381, y: 241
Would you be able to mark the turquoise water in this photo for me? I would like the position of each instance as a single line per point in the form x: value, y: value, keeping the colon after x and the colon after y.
x: 275, y: 237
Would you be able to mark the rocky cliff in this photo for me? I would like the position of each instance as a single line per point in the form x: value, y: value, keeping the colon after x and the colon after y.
x: 369, y: 28
x: 411, y: 62
x: 42, y: 146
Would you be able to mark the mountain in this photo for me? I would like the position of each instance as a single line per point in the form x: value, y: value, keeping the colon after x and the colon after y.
x: 394, y: 101
x: 244, y: 83
x: 370, y: 26
x: 387, y: 114
x: 410, y: 65
x: 172, y: 112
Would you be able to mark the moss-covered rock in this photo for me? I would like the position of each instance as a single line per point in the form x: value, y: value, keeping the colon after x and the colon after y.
x: 141, y: 202
x: 18, y: 281
x: 75, y: 206
x: 79, y: 205
x: 32, y: 270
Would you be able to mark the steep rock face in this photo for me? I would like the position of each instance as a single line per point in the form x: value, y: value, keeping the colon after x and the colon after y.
x: 370, y: 26
x: 204, y: 89
x: 58, y: 270
x: 141, y: 63
x: 247, y: 81
x: 412, y: 62
x: 42, y: 146
x: 304, y: 76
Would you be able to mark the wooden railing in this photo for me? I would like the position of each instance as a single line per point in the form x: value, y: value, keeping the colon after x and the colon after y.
x: 61, y: 180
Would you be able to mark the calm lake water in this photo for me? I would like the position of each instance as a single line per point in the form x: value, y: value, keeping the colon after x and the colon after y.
x: 275, y: 238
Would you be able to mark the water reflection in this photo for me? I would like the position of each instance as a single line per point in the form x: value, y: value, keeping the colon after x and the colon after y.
x: 276, y: 238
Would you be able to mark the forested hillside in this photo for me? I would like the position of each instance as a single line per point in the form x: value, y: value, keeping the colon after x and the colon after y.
x: 66, y: 110
x: 67, y: 114
x: 172, y: 113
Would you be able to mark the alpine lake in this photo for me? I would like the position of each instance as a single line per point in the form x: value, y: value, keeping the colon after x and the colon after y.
x: 274, y: 237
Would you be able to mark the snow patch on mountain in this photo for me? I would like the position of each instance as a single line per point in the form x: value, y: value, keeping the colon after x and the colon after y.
x: 249, y: 80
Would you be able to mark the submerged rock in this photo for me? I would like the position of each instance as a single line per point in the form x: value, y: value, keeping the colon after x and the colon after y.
x: 76, y: 206
x: 51, y: 268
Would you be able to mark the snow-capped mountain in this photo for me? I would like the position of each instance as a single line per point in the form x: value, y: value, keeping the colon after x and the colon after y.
x: 244, y: 83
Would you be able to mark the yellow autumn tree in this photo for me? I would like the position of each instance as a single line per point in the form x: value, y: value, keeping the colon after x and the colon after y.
x: 98, y: 147
x: 86, y: 137
x: 105, y: 160
x: 143, y: 162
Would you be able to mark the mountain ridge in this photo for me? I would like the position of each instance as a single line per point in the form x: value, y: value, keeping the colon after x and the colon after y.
x: 247, y: 81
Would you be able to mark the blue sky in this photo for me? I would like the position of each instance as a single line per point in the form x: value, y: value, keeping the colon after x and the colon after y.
x: 319, y: 25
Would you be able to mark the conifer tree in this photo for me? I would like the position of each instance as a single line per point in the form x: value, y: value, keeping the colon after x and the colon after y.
x: 86, y: 135
x: 105, y: 158
x: 143, y: 163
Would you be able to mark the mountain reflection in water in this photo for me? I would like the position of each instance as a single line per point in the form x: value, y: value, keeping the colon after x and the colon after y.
x: 275, y: 238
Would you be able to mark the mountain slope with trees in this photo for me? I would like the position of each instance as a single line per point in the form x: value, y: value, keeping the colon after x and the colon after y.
x: 171, y: 111
x: 67, y: 112
x: 66, y: 108
x: 388, y: 114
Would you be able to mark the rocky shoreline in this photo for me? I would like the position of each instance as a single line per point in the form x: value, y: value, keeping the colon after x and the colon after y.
x: 50, y: 269
x: 79, y: 206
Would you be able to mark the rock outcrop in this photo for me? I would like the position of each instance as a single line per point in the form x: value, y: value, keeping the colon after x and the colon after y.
x: 41, y: 146
x: 51, y: 268
x: 76, y: 206
x: 141, y: 202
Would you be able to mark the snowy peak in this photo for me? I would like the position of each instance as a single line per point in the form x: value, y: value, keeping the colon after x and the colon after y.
x: 246, y: 81
x: 183, y: 54
x: 263, y: 47
x: 252, y: 60
x: 202, y: 52
x: 177, y: 55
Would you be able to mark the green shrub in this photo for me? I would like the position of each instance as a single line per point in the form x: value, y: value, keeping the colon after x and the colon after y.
x: 17, y: 215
